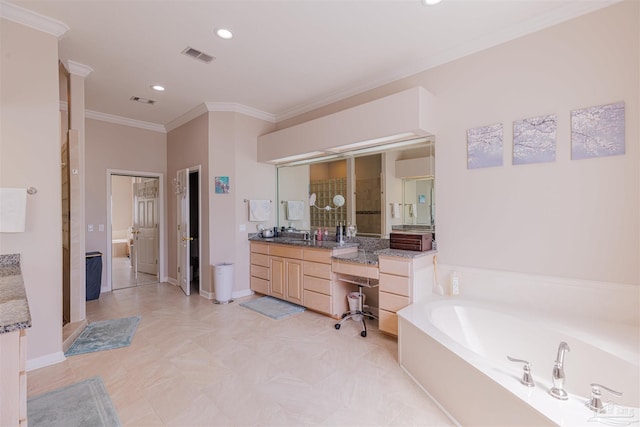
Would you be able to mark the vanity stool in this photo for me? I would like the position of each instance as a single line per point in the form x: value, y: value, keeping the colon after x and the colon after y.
x: 352, y: 314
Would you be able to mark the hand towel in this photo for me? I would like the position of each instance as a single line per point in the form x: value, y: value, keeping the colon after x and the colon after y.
x: 413, y: 210
x: 295, y: 210
x: 13, y: 209
x: 395, y: 210
x: 259, y: 210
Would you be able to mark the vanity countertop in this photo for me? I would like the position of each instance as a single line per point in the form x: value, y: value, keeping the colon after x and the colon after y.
x: 369, y: 249
x: 14, y: 309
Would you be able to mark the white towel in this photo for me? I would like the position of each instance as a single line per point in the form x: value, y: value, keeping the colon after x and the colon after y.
x: 413, y: 210
x: 259, y: 210
x: 395, y: 210
x: 13, y: 209
x: 295, y: 210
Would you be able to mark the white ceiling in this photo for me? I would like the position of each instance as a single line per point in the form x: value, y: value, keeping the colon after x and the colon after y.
x: 286, y: 57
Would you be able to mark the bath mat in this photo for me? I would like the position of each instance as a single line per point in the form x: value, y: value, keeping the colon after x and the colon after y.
x: 105, y: 335
x: 85, y: 403
x: 273, y: 307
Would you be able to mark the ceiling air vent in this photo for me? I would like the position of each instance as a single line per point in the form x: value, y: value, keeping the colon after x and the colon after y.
x: 195, y: 53
x: 142, y: 100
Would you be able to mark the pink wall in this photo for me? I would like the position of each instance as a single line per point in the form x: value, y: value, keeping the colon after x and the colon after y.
x: 578, y: 219
x: 187, y: 146
x: 119, y: 147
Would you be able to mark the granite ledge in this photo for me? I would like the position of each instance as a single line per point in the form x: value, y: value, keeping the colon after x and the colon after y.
x: 14, y: 308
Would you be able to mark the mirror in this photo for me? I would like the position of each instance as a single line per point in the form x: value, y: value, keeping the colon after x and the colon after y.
x: 370, y: 182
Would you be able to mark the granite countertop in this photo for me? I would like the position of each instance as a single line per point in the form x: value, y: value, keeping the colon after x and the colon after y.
x: 14, y: 309
x: 369, y: 248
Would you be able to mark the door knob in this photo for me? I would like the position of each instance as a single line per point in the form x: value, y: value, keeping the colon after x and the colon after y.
x: 184, y: 239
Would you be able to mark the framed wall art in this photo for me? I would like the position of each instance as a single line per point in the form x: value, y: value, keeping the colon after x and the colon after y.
x: 534, y: 140
x: 597, y: 131
x: 485, y: 146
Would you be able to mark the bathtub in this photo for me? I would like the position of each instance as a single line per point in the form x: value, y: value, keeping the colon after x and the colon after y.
x: 457, y: 349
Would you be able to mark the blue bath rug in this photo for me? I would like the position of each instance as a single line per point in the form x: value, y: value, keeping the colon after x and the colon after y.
x: 85, y: 403
x: 273, y: 307
x: 105, y: 335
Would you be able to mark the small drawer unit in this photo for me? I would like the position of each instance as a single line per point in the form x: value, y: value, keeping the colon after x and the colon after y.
x: 260, y: 270
x: 411, y: 241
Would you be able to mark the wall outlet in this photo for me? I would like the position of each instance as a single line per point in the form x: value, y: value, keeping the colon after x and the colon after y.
x: 90, y: 228
x: 243, y: 227
x: 454, y: 283
x: 101, y: 227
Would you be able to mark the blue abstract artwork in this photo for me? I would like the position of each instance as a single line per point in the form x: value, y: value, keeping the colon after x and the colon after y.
x: 534, y: 140
x: 597, y: 131
x: 485, y: 146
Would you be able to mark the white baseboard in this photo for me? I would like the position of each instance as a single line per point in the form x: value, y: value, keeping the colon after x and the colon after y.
x: 242, y: 294
x: 172, y: 281
x: 49, y: 359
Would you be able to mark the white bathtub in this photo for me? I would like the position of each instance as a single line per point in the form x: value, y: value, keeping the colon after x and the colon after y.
x: 457, y: 351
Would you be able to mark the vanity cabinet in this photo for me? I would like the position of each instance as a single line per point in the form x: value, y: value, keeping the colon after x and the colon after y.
x: 285, y: 263
x: 321, y: 293
x: 260, y: 268
x: 398, y: 280
x: 13, y: 378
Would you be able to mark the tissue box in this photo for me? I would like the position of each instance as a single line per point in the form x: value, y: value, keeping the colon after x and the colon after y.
x: 411, y: 241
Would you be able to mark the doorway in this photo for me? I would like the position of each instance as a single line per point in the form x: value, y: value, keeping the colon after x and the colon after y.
x: 189, y: 248
x: 135, y: 238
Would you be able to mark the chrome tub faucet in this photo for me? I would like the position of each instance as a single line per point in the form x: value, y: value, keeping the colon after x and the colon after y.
x: 558, y: 390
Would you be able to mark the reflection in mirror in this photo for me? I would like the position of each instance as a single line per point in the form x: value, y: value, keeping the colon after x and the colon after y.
x: 372, y: 183
x: 418, y: 202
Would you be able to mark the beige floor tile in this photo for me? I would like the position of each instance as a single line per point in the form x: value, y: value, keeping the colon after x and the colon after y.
x: 195, y: 363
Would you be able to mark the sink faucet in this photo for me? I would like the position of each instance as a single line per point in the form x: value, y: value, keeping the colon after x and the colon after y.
x: 557, y: 390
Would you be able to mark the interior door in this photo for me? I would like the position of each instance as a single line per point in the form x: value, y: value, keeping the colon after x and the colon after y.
x: 146, y: 226
x: 183, y: 232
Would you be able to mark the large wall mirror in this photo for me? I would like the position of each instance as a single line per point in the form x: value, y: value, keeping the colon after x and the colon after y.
x: 388, y: 187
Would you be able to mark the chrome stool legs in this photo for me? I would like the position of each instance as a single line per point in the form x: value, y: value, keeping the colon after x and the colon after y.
x: 352, y: 314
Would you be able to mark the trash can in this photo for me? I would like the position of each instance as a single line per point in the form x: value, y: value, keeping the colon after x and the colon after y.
x: 93, y: 261
x: 354, y: 304
x: 223, y: 282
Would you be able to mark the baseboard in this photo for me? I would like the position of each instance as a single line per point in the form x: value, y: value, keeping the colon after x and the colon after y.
x: 172, y: 281
x: 207, y: 295
x: 71, y: 331
x: 49, y: 359
x: 242, y: 294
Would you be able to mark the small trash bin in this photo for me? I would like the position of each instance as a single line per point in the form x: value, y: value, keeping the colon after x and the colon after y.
x: 93, y: 261
x: 354, y: 304
x: 223, y: 282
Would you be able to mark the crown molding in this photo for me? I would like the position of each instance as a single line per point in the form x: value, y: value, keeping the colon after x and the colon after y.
x: 32, y: 19
x: 557, y: 16
x: 186, y: 117
x: 231, y: 107
x: 89, y: 114
x: 235, y: 107
x: 78, y: 69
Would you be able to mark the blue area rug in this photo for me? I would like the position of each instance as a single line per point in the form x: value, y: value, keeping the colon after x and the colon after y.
x: 273, y: 307
x: 105, y: 335
x: 86, y: 403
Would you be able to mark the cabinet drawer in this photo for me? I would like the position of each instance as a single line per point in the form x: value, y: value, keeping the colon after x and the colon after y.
x: 261, y: 248
x: 355, y: 269
x: 260, y: 285
x: 392, y: 302
x: 318, y: 255
x: 394, y: 265
x: 286, y: 251
x: 317, y: 302
x: 316, y: 284
x: 260, y: 259
x: 23, y: 396
x: 318, y: 270
x: 259, y: 271
x: 395, y: 284
x: 388, y: 322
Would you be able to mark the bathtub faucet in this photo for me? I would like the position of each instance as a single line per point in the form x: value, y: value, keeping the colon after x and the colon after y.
x: 557, y: 390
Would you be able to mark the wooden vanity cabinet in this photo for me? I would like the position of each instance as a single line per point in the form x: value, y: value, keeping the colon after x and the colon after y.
x: 13, y: 378
x: 260, y: 268
x: 398, y: 279
x: 285, y: 263
x: 321, y: 293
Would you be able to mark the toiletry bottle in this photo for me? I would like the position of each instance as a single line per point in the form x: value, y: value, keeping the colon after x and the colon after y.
x: 454, y: 284
x: 326, y: 234
x: 319, y: 231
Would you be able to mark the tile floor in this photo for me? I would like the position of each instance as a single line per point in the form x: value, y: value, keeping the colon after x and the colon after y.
x: 123, y: 275
x: 195, y: 363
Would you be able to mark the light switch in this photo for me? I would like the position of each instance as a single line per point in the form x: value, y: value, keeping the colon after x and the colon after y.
x: 90, y: 227
x: 243, y: 227
x: 101, y: 227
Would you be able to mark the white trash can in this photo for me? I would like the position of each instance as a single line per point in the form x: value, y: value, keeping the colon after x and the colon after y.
x: 354, y: 304
x: 223, y: 282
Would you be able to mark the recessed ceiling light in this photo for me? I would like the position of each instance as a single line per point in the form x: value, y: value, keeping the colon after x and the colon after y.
x: 223, y: 33
x: 158, y: 88
x: 430, y: 2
